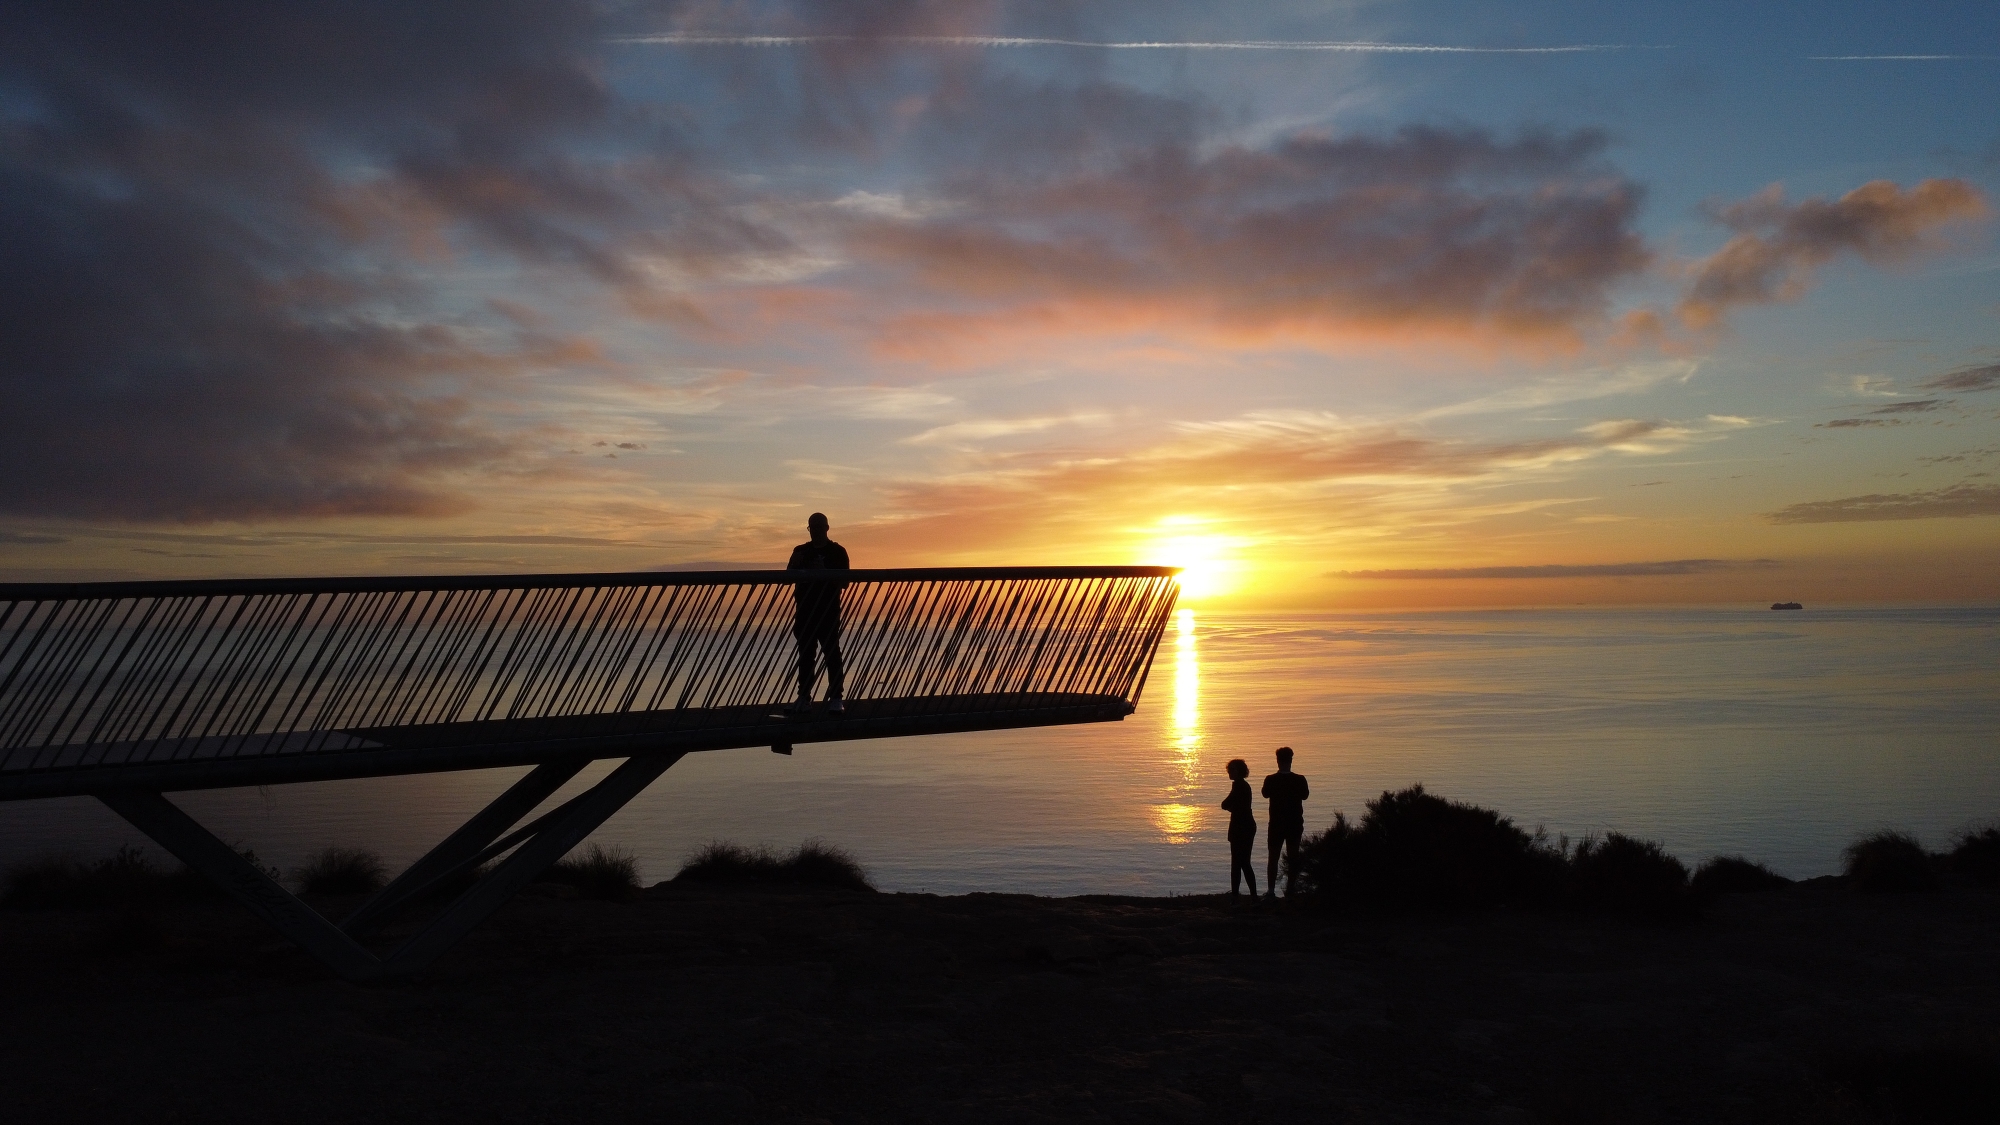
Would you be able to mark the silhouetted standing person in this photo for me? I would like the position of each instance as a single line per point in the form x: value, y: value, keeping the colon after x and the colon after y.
x: 1288, y: 793
x: 816, y: 620
x: 1242, y: 827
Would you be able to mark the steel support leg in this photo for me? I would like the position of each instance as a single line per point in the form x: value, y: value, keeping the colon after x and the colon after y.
x: 509, y: 807
x: 197, y: 847
x: 529, y: 860
x: 549, y: 840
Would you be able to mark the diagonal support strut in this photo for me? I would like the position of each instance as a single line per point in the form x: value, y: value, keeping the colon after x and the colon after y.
x: 547, y: 840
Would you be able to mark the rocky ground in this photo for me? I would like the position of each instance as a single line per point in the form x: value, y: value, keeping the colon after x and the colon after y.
x: 1811, y: 1004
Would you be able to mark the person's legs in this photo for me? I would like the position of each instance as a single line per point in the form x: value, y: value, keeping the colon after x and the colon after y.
x: 1291, y: 861
x: 836, y: 676
x: 807, y: 642
x: 1274, y: 842
x: 1240, y: 867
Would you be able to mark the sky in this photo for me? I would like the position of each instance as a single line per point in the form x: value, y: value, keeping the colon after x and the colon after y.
x: 1337, y: 305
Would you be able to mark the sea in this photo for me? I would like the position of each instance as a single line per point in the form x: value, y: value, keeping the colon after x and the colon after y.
x: 1780, y: 736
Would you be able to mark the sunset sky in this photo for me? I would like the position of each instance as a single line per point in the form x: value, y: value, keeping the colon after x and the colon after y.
x: 1339, y: 304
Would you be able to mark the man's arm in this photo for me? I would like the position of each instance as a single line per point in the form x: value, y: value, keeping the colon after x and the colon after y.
x: 1305, y: 790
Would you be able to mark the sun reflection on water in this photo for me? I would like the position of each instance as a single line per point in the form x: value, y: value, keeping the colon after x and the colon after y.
x: 1177, y: 819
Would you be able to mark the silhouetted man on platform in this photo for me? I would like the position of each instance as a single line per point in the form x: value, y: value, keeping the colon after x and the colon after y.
x: 1288, y: 793
x: 816, y: 620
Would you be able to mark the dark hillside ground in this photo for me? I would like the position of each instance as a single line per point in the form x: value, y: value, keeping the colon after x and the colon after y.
x: 697, y: 1003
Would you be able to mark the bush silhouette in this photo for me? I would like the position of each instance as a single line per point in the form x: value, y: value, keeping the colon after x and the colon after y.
x: 125, y: 878
x: 599, y: 872
x: 1977, y: 856
x: 813, y: 864
x: 1889, y: 862
x: 1733, y: 874
x: 1416, y: 851
x: 341, y: 871
x: 1629, y: 877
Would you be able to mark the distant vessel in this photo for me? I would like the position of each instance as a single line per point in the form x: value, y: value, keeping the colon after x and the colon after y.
x: 1786, y: 605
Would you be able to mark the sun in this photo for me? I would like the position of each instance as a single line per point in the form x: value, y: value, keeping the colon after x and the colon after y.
x: 1209, y: 563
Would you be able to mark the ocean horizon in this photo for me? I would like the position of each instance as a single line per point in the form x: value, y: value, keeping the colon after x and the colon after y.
x: 1715, y: 730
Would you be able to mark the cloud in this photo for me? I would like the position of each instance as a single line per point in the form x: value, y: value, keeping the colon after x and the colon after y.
x: 1855, y: 423
x: 1454, y: 231
x: 1970, y: 379
x: 1779, y: 246
x: 29, y: 539
x: 1915, y: 406
x: 1956, y: 501
x: 223, y: 229
x: 1593, y: 570
x: 1003, y: 41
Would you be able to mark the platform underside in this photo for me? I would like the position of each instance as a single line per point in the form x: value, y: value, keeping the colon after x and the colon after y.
x: 224, y: 762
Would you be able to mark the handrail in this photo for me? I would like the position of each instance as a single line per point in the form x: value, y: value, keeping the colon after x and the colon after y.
x: 216, y: 587
x: 199, y: 682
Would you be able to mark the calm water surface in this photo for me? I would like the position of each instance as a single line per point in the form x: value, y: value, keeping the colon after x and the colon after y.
x: 1778, y: 736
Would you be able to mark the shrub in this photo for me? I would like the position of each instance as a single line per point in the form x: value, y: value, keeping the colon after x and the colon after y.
x: 1889, y: 862
x: 1625, y: 876
x: 599, y: 872
x: 1977, y: 856
x: 1416, y: 851
x: 125, y: 878
x: 342, y: 871
x: 813, y: 863
x: 1733, y: 874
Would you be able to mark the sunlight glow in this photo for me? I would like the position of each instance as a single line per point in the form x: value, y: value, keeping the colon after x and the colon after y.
x: 1210, y: 566
x: 1178, y: 821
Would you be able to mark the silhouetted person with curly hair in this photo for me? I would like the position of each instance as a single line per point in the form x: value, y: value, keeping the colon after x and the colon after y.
x: 1242, y: 827
x: 1288, y: 793
x: 816, y: 616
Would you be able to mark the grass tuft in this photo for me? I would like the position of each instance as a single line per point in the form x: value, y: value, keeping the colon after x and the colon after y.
x: 813, y: 864
x: 342, y: 871
x: 1732, y: 875
x: 64, y: 881
x: 1889, y: 862
x: 598, y: 872
x: 1629, y: 877
x: 1977, y: 856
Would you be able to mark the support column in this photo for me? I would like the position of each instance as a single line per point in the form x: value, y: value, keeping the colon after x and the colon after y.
x: 195, y: 846
x: 580, y: 818
x: 462, y: 845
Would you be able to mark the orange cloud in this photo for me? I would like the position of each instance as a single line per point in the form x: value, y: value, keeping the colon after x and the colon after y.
x: 1779, y: 246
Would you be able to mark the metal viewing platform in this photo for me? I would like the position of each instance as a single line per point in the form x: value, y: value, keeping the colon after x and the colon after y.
x: 128, y: 690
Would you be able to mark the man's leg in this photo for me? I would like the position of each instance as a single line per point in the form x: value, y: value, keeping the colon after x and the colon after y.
x: 1275, y: 842
x: 836, y: 675
x: 807, y: 642
x: 1292, y: 861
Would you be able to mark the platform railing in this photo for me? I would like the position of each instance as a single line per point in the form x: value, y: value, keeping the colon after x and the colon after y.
x: 128, y: 691
x: 105, y: 675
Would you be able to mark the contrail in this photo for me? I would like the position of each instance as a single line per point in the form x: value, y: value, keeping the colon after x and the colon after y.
x: 1140, y: 45
x: 1893, y: 58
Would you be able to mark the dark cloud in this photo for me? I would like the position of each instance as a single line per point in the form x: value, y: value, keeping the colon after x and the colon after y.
x: 1454, y: 230
x: 1957, y: 501
x: 1971, y: 379
x: 1855, y: 423
x: 1593, y: 570
x: 213, y: 222
x: 1916, y: 406
x: 29, y: 538
x: 1779, y: 245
